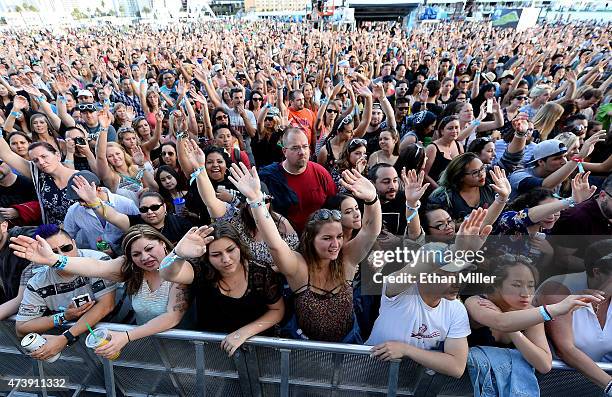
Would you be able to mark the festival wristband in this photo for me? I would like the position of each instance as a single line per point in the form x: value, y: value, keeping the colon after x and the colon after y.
x: 194, y: 174
x: 415, y: 211
x: 579, y: 160
x: 61, y: 263
x: 169, y: 260
x: 15, y: 113
x: 544, y: 314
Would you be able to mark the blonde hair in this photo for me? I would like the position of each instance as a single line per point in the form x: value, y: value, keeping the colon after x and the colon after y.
x: 544, y: 121
x: 539, y: 90
x: 132, y: 168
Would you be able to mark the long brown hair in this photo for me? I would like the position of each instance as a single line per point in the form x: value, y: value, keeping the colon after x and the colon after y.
x: 220, y: 230
x: 500, y: 273
x: 308, y: 251
x: 133, y: 275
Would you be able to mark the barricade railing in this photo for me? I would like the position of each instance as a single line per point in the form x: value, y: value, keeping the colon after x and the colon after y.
x: 188, y: 363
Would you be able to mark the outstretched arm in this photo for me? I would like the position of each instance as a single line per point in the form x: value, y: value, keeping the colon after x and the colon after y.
x: 287, y: 260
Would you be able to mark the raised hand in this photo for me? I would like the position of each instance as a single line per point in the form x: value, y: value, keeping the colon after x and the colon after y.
x: 193, y: 154
x: 138, y: 156
x: 581, y: 190
x: 20, y: 102
x: 378, y: 90
x: 500, y: 184
x: 359, y: 185
x: 246, y: 181
x: 471, y: 235
x: 194, y: 243
x: 413, y: 186
x: 35, y: 250
x: 104, y: 117
x: 588, y: 145
x: 130, y: 113
x: 86, y: 191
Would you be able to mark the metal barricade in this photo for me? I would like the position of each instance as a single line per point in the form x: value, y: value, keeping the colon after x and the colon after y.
x: 187, y: 363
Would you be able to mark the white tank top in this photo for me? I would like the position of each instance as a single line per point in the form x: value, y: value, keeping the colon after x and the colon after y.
x: 589, y: 337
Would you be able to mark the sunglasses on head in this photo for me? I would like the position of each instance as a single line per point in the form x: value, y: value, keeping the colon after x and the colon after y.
x: 357, y: 142
x: 325, y: 214
x: 86, y: 107
x: 154, y: 207
x: 64, y: 248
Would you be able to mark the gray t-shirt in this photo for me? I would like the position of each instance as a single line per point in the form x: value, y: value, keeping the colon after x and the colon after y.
x: 47, y: 293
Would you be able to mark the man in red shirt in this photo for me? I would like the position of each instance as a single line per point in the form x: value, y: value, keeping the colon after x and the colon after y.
x: 299, y: 186
x: 301, y: 117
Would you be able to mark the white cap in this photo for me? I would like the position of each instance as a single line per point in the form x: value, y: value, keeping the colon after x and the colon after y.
x: 84, y: 93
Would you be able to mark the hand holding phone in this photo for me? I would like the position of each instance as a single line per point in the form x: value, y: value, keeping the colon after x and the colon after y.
x: 81, y: 300
x: 490, y: 105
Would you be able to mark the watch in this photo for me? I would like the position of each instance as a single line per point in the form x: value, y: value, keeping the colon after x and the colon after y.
x: 71, y: 338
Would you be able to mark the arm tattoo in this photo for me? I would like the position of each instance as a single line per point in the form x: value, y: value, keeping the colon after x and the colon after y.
x: 181, y: 305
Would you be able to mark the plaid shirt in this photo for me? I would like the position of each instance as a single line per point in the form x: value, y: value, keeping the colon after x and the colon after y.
x: 134, y: 102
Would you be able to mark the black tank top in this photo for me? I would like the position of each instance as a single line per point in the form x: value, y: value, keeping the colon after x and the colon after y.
x: 440, y: 162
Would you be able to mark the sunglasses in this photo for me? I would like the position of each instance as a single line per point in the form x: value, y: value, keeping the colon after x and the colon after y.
x: 221, y: 117
x: 403, y: 108
x: 521, y: 98
x: 331, y: 111
x: 257, y: 99
x: 325, y: 214
x: 64, y: 248
x: 269, y: 119
x: 154, y: 207
x: 464, y: 81
x: 357, y: 142
x: 87, y: 107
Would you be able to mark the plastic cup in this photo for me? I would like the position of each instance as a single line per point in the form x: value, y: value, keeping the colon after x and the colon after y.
x: 33, y: 341
x: 99, y: 338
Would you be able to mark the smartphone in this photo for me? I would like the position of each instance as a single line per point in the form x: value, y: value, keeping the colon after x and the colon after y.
x: 490, y: 105
x: 81, y: 300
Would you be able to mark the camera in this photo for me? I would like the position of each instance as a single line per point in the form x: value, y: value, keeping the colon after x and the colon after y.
x: 80, y: 141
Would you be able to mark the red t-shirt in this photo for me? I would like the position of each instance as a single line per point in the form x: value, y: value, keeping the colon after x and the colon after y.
x: 312, y: 187
x: 305, y: 120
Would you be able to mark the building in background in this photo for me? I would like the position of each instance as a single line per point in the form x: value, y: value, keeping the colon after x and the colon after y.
x: 275, y: 5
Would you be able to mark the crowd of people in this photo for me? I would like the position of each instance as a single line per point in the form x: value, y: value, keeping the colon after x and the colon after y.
x: 237, y: 179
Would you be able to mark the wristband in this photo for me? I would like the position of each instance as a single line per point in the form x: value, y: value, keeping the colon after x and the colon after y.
x: 180, y: 134
x: 579, y: 160
x: 475, y: 123
x: 15, y: 113
x: 194, y: 174
x: 547, y: 312
x: 57, y: 320
x: 260, y: 202
x: 608, y: 389
x: 61, y: 263
x: 69, y: 162
x: 372, y: 202
x: 41, y: 98
x: 415, y: 211
x: 544, y: 314
x: 62, y: 99
x: 169, y: 260
x: 128, y: 335
x: 569, y: 201
x: 499, y: 198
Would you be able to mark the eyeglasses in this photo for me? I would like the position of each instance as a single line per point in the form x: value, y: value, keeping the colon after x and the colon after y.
x: 154, y: 207
x: 325, y: 214
x: 64, y: 248
x: 442, y: 226
x: 86, y: 107
x: 477, y: 172
x: 331, y: 111
x: 297, y: 148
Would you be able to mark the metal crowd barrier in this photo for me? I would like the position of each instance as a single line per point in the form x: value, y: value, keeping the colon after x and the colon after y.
x: 187, y: 363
